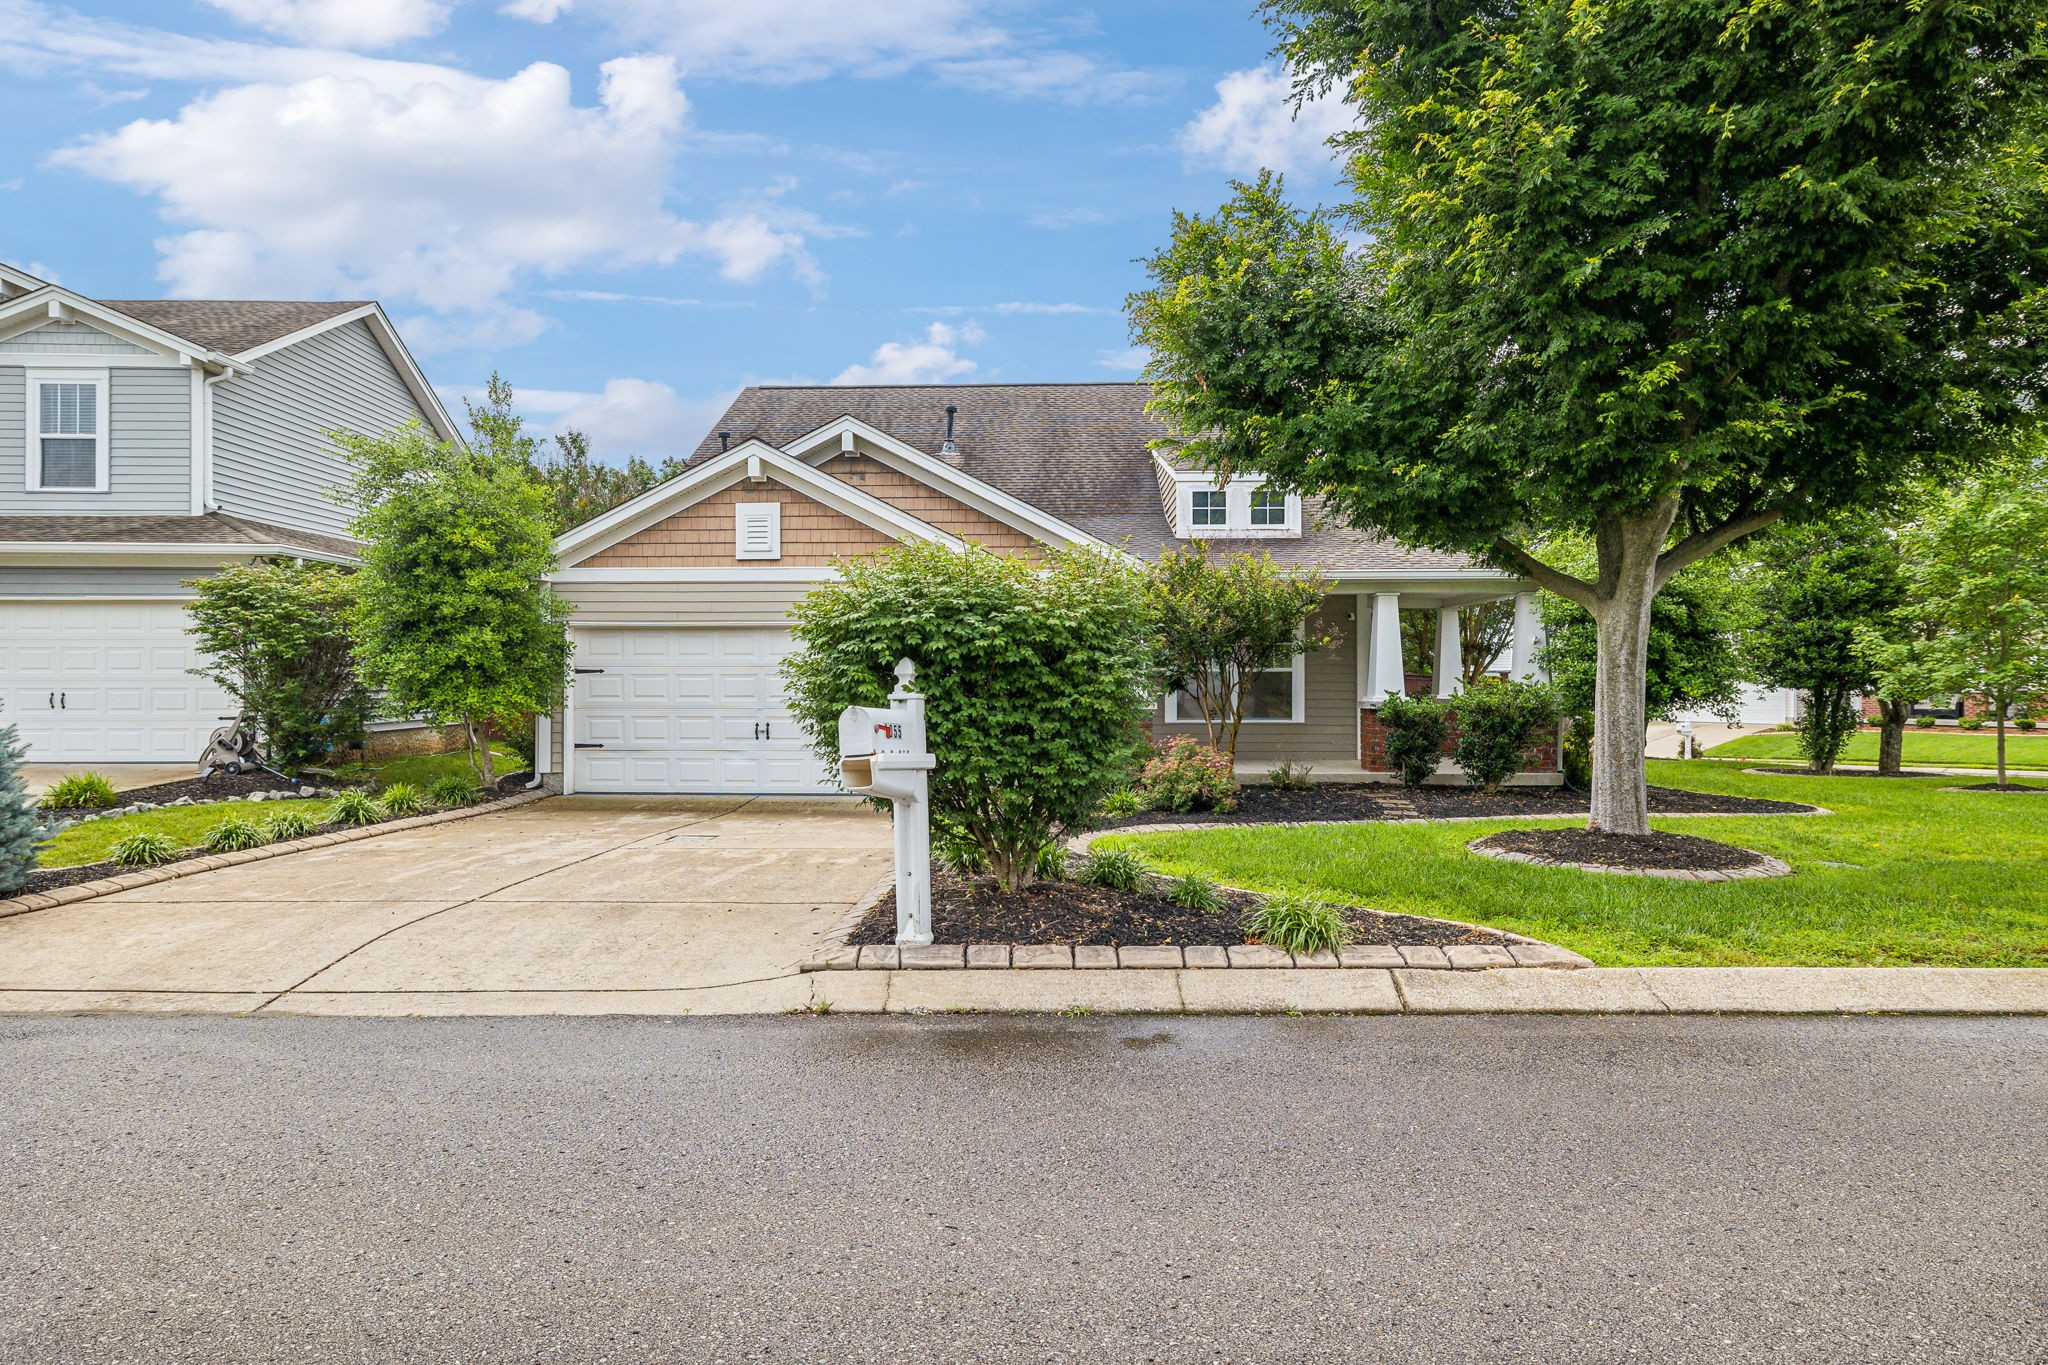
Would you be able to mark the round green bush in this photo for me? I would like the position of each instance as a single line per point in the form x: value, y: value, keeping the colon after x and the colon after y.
x: 1416, y: 728
x: 1925, y: 722
x: 1970, y: 723
x: 2025, y: 723
x: 147, y: 848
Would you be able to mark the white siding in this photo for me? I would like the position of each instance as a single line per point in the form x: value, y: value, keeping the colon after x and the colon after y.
x: 69, y: 338
x: 272, y: 459
x: 149, y: 447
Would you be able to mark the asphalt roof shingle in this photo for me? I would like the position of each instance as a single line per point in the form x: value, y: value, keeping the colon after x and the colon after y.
x: 1080, y: 452
x: 211, y: 528
x: 230, y: 326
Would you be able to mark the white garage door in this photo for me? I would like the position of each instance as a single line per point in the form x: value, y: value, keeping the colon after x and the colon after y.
x: 104, y: 682
x: 687, y: 710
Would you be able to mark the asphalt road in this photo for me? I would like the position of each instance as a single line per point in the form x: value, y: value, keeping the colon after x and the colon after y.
x: 974, y: 1189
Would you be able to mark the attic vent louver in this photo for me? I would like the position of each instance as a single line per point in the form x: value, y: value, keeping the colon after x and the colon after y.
x: 947, y: 447
x: 757, y: 530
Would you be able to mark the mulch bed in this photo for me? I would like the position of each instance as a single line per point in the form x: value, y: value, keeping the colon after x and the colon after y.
x: 1365, y: 801
x: 1994, y: 787
x: 1655, y: 851
x: 975, y: 910
x: 1808, y: 772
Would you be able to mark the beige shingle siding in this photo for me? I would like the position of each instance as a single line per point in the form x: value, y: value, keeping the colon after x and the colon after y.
x: 149, y: 446
x: 701, y: 535
x: 272, y: 458
x: 927, y: 504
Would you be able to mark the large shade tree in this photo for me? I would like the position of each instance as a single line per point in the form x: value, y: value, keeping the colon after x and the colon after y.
x: 1660, y: 272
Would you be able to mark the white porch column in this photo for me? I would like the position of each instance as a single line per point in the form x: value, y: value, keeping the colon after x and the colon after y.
x: 1524, y: 646
x: 1383, y: 673
x: 1450, y: 654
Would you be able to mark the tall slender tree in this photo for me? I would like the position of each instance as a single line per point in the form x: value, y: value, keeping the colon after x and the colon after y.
x: 1660, y: 272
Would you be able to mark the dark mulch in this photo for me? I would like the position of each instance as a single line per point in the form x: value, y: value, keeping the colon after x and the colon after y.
x: 975, y: 910
x: 1994, y: 787
x: 1363, y: 801
x: 1808, y: 772
x: 1654, y: 851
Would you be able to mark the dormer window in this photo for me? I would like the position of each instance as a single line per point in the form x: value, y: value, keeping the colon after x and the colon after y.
x: 1209, y: 507
x: 1269, y: 507
x: 67, y: 435
x: 1243, y: 507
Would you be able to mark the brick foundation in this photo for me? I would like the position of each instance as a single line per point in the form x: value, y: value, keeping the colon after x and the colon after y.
x: 1372, y: 745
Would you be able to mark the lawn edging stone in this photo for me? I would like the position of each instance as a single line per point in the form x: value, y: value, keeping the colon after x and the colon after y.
x: 192, y: 867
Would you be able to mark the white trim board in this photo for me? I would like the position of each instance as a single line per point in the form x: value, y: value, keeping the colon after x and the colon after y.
x: 54, y: 302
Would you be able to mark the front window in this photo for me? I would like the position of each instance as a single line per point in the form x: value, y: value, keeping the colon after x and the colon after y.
x: 1211, y: 507
x: 1274, y: 696
x: 1269, y: 507
x: 67, y: 433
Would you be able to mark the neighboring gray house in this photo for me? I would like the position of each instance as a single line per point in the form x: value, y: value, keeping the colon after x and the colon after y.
x: 682, y: 594
x: 145, y: 442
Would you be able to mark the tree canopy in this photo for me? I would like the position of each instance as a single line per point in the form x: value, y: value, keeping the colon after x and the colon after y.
x: 1662, y: 272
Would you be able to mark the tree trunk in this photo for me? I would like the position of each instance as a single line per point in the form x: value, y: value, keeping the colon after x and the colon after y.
x: 479, y: 752
x: 2001, y: 745
x: 1891, y: 739
x: 1627, y: 583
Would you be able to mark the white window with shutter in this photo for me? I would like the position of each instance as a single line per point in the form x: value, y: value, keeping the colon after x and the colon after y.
x: 67, y: 431
x: 757, y: 530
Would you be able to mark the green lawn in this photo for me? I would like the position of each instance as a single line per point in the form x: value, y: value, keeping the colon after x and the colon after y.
x: 1932, y: 748
x: 424, y: 770
x: 1903, y: 872
x: 88, y: 843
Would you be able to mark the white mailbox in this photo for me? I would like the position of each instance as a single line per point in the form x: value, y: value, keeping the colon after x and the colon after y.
x: 882, y: 753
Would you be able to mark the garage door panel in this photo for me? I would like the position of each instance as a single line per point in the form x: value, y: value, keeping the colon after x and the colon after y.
x: 688, y: 710
x: 105, y: 682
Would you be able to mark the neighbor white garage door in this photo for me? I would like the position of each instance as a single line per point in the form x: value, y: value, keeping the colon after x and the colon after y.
x: 104, y: 682
x: 672, y: 709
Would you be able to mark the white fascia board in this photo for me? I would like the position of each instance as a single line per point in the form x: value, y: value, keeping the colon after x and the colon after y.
x: 722, y: 472
x: 21, y: 279
x: 115, y: 322
x: 816, y: 447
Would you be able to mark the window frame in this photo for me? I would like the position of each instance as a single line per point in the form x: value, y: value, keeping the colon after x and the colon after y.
x: 1222, y: 507
x: 1278, y: 505
x: 34, y: 380
x: 1297, y: 698
x: 1237, y: 496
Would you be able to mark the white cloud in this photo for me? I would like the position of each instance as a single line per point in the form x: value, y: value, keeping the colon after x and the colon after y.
x: 341, y: 23
x: 933, y: 360
x: 1066, y: 218
x: 953, y: 310
x: 629, y: 417
x: 1127, y: 360
x: 422, y: 184
x: 784, y: 41
x: 663, y: 300
x: 1252, y: 126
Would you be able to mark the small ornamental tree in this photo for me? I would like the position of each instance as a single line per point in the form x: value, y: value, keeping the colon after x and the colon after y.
x: 1975, y: 564
x: 1037, y: 681
x: 1659, y: 272
x: 1220, y: 623
x: 276, y: 637
x: 453, y: 619
x: 1820, y: 588
x: 22, y: 831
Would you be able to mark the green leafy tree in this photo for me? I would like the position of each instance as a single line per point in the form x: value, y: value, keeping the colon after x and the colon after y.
x: 22, y: 830
x: 1661, y: 272
x: 1038, y: 683
x: 277, y: 638
x: 1692, y: 662
x: 583, y: 487
x: 453, y: 619
x: 1975, y: 563
x: 1820, y: 589
x: 1219, y: 623
x: 1484, y: 630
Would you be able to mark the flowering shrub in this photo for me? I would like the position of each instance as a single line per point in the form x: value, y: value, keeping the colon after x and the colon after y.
x: 1186, y: 775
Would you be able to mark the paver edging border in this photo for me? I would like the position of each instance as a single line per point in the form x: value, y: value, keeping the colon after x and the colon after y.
x: 1766, y: 866
x: 2011, y: 790
x: 192, y: 867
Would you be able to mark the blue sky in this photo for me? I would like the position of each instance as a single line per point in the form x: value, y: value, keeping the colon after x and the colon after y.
x: 633, y: 207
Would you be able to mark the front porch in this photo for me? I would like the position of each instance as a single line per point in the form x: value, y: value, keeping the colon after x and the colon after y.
x: 1324, y: 712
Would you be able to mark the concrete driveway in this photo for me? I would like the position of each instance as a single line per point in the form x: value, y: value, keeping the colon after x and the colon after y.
x: 580, y: 905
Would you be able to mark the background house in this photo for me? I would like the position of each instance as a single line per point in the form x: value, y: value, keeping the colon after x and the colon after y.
x: 146, y: 442
x: 682, y: 594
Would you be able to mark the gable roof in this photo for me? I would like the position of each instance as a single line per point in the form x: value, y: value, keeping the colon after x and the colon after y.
x: 231, y: 325
x: 209, y: 529
x: 1079, y: 452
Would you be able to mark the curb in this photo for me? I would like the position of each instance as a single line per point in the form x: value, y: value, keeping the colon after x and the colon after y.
x: 192, y: 867
x: 1468, y: 957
